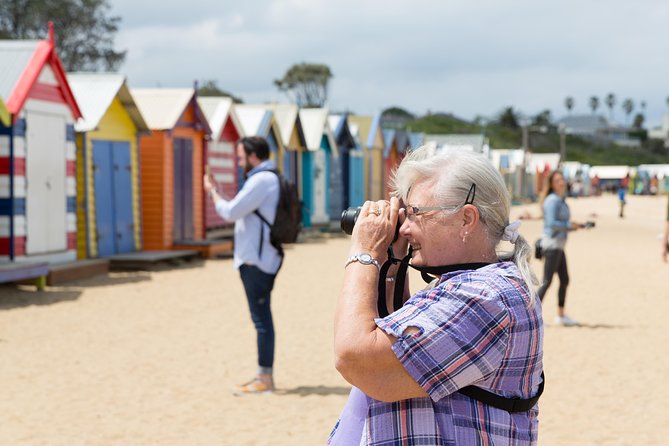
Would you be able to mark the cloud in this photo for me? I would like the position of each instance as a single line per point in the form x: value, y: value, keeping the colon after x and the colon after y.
x: 468, y: 57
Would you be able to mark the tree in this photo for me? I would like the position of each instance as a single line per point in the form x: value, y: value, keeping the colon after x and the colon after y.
x: 396, y: 118
x: 306, y: 84
x: 639, y: 118
x: 610, y: 103
x: 210, y: 88
x: 397, y: 112
x: 569, y: 103
x: 508, y: 118
x: 628, y: 106
x: 543, y: 119
x: 594, y: 103
x: 84, y: 30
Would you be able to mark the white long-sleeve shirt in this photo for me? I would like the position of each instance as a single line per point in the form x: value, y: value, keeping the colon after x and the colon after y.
x: 259, y: 192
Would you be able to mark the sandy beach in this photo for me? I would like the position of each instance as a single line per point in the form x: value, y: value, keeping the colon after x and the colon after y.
x: 150, y: 358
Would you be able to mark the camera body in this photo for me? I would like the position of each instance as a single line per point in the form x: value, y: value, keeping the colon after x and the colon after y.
x: 348, y: 219
x: 350, y: 216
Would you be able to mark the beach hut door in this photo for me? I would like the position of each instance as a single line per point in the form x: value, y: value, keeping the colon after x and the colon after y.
x: 183, y: 189
x: 113, y: 197
x: 46, y: 203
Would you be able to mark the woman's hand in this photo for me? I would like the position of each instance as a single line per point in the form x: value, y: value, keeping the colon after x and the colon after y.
x: 375, y: 227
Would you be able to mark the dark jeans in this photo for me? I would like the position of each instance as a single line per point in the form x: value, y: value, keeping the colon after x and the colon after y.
x: 555, y: 261
x: 258, y: 286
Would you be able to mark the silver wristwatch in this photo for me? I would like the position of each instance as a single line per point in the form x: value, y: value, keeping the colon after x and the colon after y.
x: 364, y: 258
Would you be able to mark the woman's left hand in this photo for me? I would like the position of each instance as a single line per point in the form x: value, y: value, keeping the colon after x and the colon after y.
x: 375, y: 227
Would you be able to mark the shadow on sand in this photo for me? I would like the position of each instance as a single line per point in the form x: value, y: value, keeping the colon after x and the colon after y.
x: 594, y: 326
x: 314, y: 390
x: 13, y: 296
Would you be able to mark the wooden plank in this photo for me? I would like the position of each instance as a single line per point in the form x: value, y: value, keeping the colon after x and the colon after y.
x: 147, y: 259
x: 207, y: 249
x: 80, y: 269
x: 14, y: 272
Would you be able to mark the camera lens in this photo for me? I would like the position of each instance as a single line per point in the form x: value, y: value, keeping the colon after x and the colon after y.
x: 348, y: 218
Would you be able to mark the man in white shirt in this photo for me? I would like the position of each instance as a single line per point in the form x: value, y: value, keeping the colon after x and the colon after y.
x: 254, y: 256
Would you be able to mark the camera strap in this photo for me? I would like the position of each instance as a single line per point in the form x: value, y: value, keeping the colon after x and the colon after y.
x: 429, y: 273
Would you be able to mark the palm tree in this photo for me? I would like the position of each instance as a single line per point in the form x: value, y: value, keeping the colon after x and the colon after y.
x: 569, y: 103
x: 594, y: 103
x: 667, y: 101
x: 628, y: 106
x: 610, y: 102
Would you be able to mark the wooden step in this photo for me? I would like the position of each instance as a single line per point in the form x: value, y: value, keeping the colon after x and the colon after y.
x: 80, y: 269
x: 208, y: 249
x: 149, y: 259
x: 24, y: 272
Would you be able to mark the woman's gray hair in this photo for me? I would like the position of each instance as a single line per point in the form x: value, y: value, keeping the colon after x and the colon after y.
x: 454, y: 173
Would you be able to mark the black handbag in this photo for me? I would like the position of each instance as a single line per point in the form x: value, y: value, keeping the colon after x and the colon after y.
x: 538, y: 250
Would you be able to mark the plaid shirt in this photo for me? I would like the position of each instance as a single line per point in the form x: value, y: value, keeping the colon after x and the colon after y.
x: 475, y: 327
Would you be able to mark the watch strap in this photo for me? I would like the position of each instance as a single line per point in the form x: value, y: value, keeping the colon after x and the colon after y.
x: 362, y: 258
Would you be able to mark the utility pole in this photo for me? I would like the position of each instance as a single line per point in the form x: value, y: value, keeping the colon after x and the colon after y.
x: 523, y: 171
x: 563, y: 143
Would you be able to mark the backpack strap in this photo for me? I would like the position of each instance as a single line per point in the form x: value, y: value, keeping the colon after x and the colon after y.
x: 511, y: 405
x: 262, y: 234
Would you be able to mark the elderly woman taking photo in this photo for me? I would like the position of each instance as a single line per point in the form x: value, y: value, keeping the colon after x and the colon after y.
x: 461, y: 361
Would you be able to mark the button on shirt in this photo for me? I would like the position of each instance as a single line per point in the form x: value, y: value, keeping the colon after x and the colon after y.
x: 259, y: 192
x: 475, y: 327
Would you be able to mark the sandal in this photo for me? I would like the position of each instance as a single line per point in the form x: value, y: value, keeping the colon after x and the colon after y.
x: 254, y: 387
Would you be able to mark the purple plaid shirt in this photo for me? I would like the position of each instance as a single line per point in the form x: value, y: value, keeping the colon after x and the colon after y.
x: 475, y: 327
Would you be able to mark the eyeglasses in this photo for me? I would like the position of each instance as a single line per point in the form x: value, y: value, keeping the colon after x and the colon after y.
x: 418, y: 210
x: 472, y: 194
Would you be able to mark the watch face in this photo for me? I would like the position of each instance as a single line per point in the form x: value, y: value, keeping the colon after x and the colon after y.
x: 365, y: 258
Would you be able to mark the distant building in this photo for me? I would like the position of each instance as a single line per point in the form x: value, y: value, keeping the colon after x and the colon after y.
x: 598, y: 129
x: 661, y: 132
x: 475, y: 142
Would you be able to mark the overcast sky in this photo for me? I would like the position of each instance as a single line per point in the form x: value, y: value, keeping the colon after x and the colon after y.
x: 466, y: 57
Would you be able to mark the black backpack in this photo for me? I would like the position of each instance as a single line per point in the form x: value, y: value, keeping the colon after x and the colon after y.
x: 288, y: 221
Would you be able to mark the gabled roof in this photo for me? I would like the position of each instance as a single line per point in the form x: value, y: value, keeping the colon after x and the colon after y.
x: 388, y: 140
x: 4, y: 114
x: 360, y: 127
x: 22, y: 62
x: 254, y: 120
x: 340, y: 129
x: 416, y: 139
x: 217, y: 109
x: 315, y: 125
x: 95, y: 93
x: 287, y: 118
x: 162, y: 107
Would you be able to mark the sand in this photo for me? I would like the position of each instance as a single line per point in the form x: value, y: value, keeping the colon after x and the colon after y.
x: 150, y: 358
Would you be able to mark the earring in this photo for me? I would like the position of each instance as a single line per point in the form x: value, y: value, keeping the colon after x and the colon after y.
x: 464, y: 238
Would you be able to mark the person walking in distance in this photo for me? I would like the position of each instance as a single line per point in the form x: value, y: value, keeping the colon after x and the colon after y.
x: 256, y: 259
x: 665, y: 238
x: 557, y: 223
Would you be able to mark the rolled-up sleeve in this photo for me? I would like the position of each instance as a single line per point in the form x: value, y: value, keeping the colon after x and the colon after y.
x: 459, y: 341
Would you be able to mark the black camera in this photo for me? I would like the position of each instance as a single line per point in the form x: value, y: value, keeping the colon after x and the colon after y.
x: 588, y: 225
x: 349, y: 217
